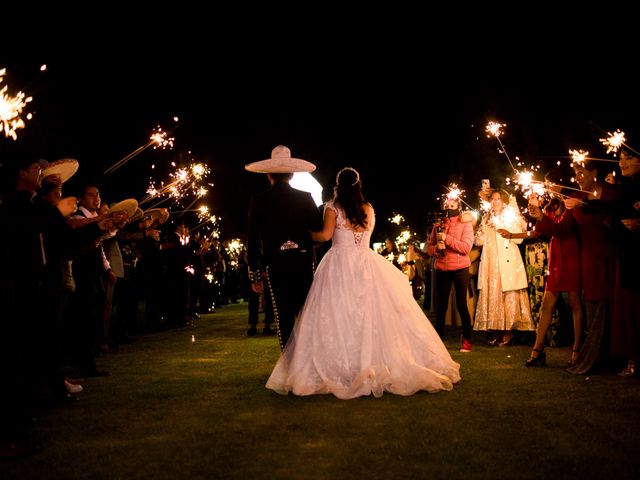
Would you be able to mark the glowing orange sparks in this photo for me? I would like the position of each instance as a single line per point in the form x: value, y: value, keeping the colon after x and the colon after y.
x: 614, y: 141
x: 495, y: 129
x: 11, y: 109
x: 578, y: 157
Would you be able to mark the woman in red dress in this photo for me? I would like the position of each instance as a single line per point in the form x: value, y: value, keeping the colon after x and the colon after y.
x: 564, y: 268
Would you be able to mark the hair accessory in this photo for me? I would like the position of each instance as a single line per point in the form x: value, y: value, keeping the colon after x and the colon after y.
x: 353, y: 170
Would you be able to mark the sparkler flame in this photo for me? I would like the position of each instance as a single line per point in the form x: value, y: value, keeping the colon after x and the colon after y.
x: 578, y: 157
x: 495, y: 129
x: 397, y: 219
x: 160, y: 139
x: 157, y: 139
x: 527, y: 184
x: 10, y: 110
x: 614, y: 141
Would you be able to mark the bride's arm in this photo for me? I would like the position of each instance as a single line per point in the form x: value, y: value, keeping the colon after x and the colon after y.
x: 329, y: 226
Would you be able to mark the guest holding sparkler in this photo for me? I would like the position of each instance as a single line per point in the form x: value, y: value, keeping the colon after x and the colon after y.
x: 626, y: 313
x: 450, y: 242
x: 625, y: 211
x: 413, y: 268
x: 91, y: 272
x: 30, y: 286
x: 564, y: 268
x: 596, y: 258
x: 391, y: 252
x: 503, y: 301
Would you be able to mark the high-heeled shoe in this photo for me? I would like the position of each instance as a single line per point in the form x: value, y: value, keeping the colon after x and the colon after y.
x: 507, y: 340
x: 629, y: 371
x: 574, y: 358
x: 540, y: 360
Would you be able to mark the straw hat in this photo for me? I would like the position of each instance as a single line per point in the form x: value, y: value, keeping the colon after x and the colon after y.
x: 129, y: 205
x: 65, y: 168
x: 137, y: 215
x: 159, y: 215
x: 280, y: 162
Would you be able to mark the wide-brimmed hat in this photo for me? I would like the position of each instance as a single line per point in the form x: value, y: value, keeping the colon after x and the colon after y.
x: 64, y: 167
x: 138, y: 214
x: 280, y: 162
x: 159, y: 215
x: 128, y: 205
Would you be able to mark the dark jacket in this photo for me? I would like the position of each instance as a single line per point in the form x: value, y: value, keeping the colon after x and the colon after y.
x: 280, y: 216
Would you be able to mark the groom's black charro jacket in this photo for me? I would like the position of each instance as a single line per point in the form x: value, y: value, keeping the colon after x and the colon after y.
x: 280, y: 249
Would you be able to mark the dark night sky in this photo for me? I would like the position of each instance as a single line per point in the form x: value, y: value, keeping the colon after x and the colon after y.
x: 408, y: 111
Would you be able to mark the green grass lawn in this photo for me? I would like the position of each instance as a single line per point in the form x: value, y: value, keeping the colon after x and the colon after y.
x: 191, y: 404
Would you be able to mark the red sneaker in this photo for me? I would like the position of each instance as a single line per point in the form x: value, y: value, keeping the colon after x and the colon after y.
x: 466, y: 346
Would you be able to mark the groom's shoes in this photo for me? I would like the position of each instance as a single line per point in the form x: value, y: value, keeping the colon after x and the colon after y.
x: 252, y: 331
x: 268, y: 331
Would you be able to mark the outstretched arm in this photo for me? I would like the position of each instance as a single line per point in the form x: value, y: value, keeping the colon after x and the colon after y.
x: 328, y: 227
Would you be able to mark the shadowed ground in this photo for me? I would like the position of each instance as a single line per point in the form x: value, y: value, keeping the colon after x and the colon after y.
x: 191, y: 404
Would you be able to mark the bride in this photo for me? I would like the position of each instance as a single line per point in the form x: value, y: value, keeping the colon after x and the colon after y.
x: 360, y: 331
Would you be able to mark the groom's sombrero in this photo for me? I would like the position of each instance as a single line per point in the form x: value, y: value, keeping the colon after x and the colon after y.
x: 280, y: 162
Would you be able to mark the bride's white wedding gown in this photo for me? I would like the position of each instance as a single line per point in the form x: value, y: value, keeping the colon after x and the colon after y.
x: 360, y: 331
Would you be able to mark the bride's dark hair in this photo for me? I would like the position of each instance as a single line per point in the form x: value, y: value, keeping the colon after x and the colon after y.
x: 348, y: 194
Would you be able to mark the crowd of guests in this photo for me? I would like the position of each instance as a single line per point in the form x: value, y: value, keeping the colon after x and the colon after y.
x: 579, y: 244
x: 80, y: 278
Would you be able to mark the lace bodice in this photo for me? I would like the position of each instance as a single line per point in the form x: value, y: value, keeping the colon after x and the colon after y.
x: 345, y: 236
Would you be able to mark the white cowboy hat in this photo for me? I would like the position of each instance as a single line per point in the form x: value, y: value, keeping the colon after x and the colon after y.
x: 65, y: 168
x: 280, y: 162
x: 129, y: 205
x: 137, y: 215
x: 160, y: 215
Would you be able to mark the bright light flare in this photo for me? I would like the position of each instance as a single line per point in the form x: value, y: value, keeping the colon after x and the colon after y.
x: 527, y: 184
x: 11, y: 107
x: 397, y: 219
x: 614, y: 141
x: 307, y: 183
x: 161, y: 139
x: 578, y: 157
x: 494, y: 129
x: 454, y: 193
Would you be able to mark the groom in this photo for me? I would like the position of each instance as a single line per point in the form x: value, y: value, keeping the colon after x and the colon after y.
x: 279, y: 246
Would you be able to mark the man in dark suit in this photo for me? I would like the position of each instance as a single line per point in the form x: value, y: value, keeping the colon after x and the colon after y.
x: 279, y: 247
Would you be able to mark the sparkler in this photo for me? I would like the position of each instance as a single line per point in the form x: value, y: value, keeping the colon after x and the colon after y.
x: 158, y: 139
x: 495, y: 129
x: 508, y: 218
x: 403, y: 238
x: 11, y: 107
x: 525, y: 182
x: 454, y: 193
x: 529, y: 186
x: 580, y: 156
x: 213, y: 219
x: 185, y: 180
x: 615, y: 140
x: 397, y: 219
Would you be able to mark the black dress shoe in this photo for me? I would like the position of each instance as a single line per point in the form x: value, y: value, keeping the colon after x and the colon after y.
x: 268, y: 331
x: 252, y: 331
